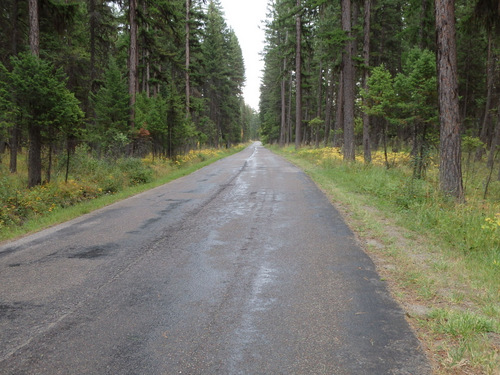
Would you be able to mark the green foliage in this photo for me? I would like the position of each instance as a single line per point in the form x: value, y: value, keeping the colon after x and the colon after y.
x: 135, y: 170
x: 112, y: 110
x: 380, y: 96
x: 91, y: 178
x: 224, y: 77
x: 41, y: 96
x: 7, y: 108
x: 316, y: 123
x: 151, y: 113
x: 462, y: 324
x: 416, y: 88
x: 471, y: 144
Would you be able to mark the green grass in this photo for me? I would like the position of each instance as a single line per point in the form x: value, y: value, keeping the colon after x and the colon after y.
x: 93, y: 183
x: 431, y: 251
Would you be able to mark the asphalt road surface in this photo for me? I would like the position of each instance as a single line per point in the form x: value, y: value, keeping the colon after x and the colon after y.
x: 243, y: 267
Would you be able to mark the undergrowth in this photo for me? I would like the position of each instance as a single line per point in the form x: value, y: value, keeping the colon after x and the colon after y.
x: 90, y: 178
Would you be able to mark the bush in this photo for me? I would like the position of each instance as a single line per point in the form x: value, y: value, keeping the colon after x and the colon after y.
x: 135, y: 170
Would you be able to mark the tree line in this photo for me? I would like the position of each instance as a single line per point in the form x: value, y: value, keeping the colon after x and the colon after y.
x: 125, y: 77
x: 419, y: 74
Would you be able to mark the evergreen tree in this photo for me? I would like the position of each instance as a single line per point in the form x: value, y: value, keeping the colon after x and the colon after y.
x: 224, y: 75
x: 45, y: 103
x: 450, y: 167
x: 111, y: 104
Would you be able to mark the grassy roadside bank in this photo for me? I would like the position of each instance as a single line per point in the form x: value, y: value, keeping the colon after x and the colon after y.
x: 440, y: 260
x: 92, y: 184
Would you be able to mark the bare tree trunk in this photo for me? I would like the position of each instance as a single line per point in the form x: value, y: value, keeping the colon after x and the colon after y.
x: 339, y: 115
x: 34, y: 131
x: 328, y: 107
x: 34, y: 36
x: 15, y: 31
x: 450, y: 169
x: 283, y: 111
x: 289, y: 111
x: 188, y: 60
x: 14, y: 141
x: 423, y: 13
x: 48, y: 172
x: 283, y: 99
x: 490, y: 70
x: 367, y: 153
x: 319, y: 109
x: 15, y: 129
x: 133, y: 59
x: 320, y: 91
x: 494, y: 140
x: 348, y: 79
x: 92, y: 41
x: 146, y: 76
x: 35, y: 156
x: 298, y: 73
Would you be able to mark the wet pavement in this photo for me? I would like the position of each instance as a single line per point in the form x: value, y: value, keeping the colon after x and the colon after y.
x: 243, y: 267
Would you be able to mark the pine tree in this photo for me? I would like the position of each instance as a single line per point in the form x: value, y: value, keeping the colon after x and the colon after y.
x: 348, y: 82
x: 40, y: 94
x: 450, y: 167
x: 112, y: 108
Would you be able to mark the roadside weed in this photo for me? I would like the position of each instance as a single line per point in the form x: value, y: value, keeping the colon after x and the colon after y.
x: 92, y: 183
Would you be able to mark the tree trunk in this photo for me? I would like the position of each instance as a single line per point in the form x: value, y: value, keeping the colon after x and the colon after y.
x: 34, y: 132
x: 289, y: 111
x: 34, y: 36
x: 348, y: 78
x: 14, y: 132
x: 283, y: 106
x: 49, y: 166
x: 92, y: 41
x: 494, y: 140
x: 15, y: 31
x: 133, y: 59
x: 367, y: 153
x: 490, y: 70
x: 328, y: 107
x: 283, y: 99
x: 320, y: 91
x: 339, y: 115
x: 34, y: 156
x: 450, y: 169
x: 298, y: 73
x: 423, y: 13
x: 188, y: 60
x: 146, y: 76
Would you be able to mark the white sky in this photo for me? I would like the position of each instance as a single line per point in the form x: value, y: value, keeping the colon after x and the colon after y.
x: 245, y: 18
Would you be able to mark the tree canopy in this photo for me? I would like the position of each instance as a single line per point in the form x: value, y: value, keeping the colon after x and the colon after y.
x: 113, y: 75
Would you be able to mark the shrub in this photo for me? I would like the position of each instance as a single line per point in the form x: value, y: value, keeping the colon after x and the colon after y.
x: 135, y: 170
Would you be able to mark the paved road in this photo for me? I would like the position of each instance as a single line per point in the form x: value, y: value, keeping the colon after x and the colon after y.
x: 243, y: 267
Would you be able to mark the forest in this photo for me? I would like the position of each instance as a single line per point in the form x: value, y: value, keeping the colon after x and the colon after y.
x: 123, y: 79
x: 365, y: 75
x: 163, y: 77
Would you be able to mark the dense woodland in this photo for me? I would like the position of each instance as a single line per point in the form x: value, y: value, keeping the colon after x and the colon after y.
x: 373, y: 74
x: 166, y: 76
x: 125, y: 78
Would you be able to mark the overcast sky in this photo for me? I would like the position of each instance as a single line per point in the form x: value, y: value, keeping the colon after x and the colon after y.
x: 245, y: 18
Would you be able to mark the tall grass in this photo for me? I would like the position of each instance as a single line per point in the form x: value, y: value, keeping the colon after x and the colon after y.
x: 471, y: 229
x: 92, y: 183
